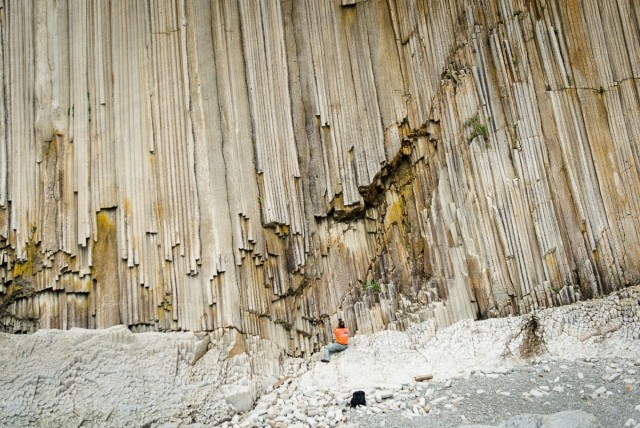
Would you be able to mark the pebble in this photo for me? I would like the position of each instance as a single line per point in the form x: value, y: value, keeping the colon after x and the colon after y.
x: 439, y: 400
x: 383, y: 395
x: 536, y: 393
x: 600, y: 390
x: 614, y: 377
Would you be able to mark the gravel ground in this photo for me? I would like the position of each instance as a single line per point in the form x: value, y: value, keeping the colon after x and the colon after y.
x: 545, y: 387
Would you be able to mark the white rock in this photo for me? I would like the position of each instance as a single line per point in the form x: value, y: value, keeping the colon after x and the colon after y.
x: 614, y: 377
x: 314, y: 411
x: 383, y: 394
x: 600, y: 390
x: 309, y: 392
x: 536, y: 393
x: 271, y: 415
x: 299, y: 416
x: 240, y: 398
x: 260, y: 411
x: 331, y: 414
x: 339, y: 415
x: 439, y: 400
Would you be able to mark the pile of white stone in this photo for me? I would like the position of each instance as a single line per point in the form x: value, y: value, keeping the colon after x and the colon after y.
x: 295, y: 406
x: 292, y: 406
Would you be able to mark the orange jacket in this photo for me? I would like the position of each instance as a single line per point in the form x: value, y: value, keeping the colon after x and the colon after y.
x: 342, y: 335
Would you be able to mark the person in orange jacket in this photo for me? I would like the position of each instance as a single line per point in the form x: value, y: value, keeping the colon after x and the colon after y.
x: 342, y: 341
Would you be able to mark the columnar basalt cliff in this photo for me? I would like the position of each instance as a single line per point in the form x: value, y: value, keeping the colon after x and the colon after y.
x: 268, y: 166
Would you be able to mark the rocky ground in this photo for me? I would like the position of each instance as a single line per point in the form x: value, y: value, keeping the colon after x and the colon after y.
x: 605, y: 390
x: 573, y: 366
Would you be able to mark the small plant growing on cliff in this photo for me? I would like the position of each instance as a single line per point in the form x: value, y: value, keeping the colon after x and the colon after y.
x: 517, y: 13
x: 406, y: 226
x: 601, y: 90
x: 478, y: 129
x: 372, y: 285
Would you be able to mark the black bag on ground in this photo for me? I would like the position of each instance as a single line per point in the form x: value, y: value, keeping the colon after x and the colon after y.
x: 358, y: 399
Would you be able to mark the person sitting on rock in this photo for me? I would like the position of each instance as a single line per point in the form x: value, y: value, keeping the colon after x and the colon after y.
x: 342, y: 341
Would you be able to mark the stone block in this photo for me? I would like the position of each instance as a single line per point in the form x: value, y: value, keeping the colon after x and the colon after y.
x: 239, y: 398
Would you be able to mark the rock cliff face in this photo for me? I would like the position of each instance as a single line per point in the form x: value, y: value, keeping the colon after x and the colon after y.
x: 269, y: 166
